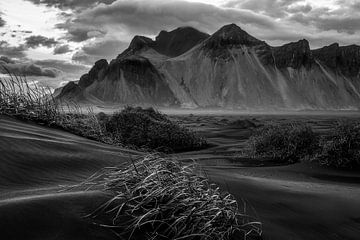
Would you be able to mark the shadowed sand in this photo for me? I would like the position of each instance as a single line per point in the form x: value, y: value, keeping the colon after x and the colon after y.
x: 298, y: 201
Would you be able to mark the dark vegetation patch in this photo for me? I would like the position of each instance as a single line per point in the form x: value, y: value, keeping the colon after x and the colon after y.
x: 290, y: 142
x: 294, y: 142
x: 243, y: 123
x: 150, y: 129
x: 341, y: 149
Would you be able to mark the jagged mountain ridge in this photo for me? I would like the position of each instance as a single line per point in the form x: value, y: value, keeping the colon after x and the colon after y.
x: 230, y: 68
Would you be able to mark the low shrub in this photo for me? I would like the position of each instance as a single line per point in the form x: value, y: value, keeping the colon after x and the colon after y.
x: 158, y: 198
x: 341, y: 149
x: 147, y: 128
x: 289, y: 142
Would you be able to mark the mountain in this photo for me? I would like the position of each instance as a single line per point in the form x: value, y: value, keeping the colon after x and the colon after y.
x: 230, y: 68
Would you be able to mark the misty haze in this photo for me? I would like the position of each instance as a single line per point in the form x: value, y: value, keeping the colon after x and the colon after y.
x: 180, y: 119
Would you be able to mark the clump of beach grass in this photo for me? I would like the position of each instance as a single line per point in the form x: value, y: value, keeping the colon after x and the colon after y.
x: 341, y: 149
x: 289, y: 142
x: 159, y: 198
x: 24, y: 100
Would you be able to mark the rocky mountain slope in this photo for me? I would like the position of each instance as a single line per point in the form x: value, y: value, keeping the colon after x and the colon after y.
x: 230, y: 68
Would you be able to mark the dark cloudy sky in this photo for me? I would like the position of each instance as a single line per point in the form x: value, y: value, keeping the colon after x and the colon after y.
x: 54, y: 41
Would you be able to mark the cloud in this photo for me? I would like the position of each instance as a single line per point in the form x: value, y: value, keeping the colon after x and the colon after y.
x: 129, y: 17
x: 68, y: 71
x: 27, y: 69
x: 103, y: 49
x: 47, y: 73
x: 70, y: 4
x: 63, y: 66
x: 343, y: 20
x: 12, y: 51
x: 299, y: 8
x: 38, y: 40
x: 61, y: 49
x: 78, y: 32
x: 273, y: 8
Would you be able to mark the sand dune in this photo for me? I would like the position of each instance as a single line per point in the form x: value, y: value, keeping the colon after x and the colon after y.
x: 290, y: 208
x: 51, y: 216
x: 299, y: 201
x: 34, y: 162
x: 33, y: 156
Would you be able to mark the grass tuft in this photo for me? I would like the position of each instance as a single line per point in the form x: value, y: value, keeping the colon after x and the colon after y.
x: 28, y: 101
x: 289, y: 142
x: 25, y: 100
x: 159, y: 198
x: 342, y: 148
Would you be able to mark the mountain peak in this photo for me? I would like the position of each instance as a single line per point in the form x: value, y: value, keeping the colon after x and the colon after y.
x: 178, y: 41
x: 171, y: 44
x: 300, y: 46
x: 140, y: 42
x: 231, y: 35
x: 186, y: 30
x: 232, y: 27
x: 137, y: 44
x: 294, y: 54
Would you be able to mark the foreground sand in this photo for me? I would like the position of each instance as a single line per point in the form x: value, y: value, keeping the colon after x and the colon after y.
x: 294, y: 202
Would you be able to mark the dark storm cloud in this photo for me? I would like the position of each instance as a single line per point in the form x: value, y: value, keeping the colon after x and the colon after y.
x: 12, y: 51
x: 50, y: 68
x: 26, y: 69
x: 38, y: 40
x: 140, y: 16
x: 61, y: 49
x: 105, y: 49
x: 70, y: 4
x: 48, y: 73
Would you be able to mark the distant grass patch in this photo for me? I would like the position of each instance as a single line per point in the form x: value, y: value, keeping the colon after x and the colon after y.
x: 150, y: 129
x: 342, y: 148
x: 158, y: 198
x: 290, y: 142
